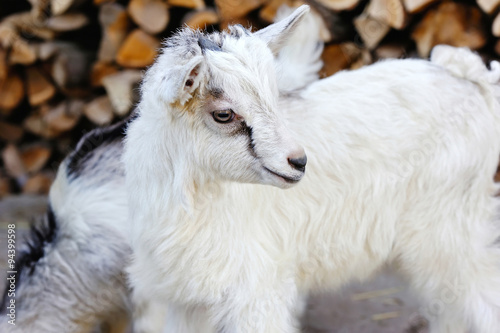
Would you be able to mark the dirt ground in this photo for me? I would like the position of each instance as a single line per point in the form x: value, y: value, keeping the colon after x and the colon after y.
x: 382, y: 305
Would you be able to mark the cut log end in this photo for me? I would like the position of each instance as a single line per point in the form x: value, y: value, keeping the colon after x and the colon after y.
x: 138, y: 50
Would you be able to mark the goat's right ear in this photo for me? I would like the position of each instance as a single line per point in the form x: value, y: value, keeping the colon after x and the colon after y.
x: 182, y: 81
x: 276, y: 34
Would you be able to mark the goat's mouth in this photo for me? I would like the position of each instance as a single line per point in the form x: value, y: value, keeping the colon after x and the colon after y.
x: 290, y: 180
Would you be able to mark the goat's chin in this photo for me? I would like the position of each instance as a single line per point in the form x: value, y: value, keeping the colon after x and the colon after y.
x: 282, y: 181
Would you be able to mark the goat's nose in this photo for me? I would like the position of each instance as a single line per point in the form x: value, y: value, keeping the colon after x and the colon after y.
x: 298, y: 163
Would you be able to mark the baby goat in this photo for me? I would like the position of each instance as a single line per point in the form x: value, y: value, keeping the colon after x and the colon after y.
x: 401, y: 158
x: 70, y: 276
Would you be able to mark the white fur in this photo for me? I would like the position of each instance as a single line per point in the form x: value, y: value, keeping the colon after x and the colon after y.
x: 79, y: 282
x: 299, y: 61
x: 401, y: 162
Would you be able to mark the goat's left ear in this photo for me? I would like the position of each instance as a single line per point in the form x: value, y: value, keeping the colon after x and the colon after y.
x: 276, y: 34
x: 183, y: 81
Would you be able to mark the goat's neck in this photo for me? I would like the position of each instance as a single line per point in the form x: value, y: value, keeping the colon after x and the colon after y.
x: 174, y: 186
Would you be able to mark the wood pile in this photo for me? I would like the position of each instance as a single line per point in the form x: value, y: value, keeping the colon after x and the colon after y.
x: 69, y: 65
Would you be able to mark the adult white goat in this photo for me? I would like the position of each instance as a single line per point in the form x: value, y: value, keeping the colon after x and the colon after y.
x: 70, y: 276
x: 401, y: 162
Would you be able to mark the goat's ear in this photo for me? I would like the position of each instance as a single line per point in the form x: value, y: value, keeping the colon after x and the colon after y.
x: 276, y: 34
x: 184, y: 79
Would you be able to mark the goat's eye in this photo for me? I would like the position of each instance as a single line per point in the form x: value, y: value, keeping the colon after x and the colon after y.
x: 223, y: 116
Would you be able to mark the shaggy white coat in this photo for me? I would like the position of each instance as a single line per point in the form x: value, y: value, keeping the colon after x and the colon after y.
x: 401, y: 162
x: 78, y: 285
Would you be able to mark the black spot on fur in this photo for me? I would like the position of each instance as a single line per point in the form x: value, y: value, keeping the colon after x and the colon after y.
x: 40, y: 236
x: 216, y: 92
x: 292, y: 22
x: 247, y: 130
x: 92, y: 140
x: 207, y: 44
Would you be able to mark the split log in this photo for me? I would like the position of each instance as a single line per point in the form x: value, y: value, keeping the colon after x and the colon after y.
x: 200, y: 19
x: 115, y: 23
x: 138, y: 50
x: 13, y: 163
x: 22, y: 53
x: 415, y: 6
x: 370, y: 30
x: 40, y: 90
x: 495, y: 27
x: 27, y: 24
x: 100, y: 70
x: 67, y: 22
x: 390, y: 51
x: 70, y: 67
x: 151, y: 15
x: 39, y: 8
x: 8, y: 34
x: 34, y: 157
x: 47, y: 50
x: 338, y: 57
x: 363, y: 60
x: 36, y: 124
x: 488, y: 6
x: 10, y: 132
x: 58, y: 7
x: 391, y: 12
x: 338, y: 5
x: 120, y: 87
x: 49, y: 122
x: 38, y: 184
x: 11, y: 92
x: 497, y: 47
x: 99, y: 111
x: 233, y: 9
x: 450, y: 23
x: 64, y: 116
x: 195, y: 4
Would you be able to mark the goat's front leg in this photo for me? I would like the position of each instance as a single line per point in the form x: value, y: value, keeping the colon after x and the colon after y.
x: 271, y: 311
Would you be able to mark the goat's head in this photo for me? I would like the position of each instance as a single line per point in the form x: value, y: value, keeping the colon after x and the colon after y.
x: 219, y: 95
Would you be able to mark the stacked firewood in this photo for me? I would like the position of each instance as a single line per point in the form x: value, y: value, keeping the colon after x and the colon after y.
x: 69, y: 65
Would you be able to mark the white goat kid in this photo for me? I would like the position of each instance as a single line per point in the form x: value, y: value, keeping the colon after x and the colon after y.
x: 70, y: 278
x: 401, y: 159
